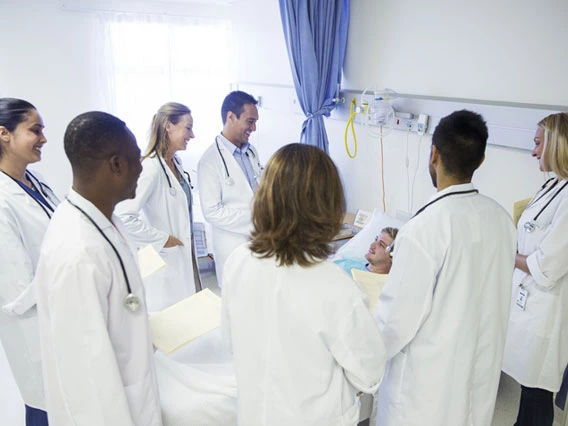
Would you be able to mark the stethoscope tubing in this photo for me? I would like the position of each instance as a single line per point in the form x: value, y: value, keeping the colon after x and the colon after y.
x: 529, y: 226
x: 227, y: 175
x: 108, y: 241
x: 38, y: 186
x: 181, y: 173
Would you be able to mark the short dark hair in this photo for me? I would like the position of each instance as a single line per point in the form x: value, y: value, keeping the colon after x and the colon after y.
x: 13, y: 112
x: 235, y: 102
x: 298, y: 207
x: 461, y: 138
x: 91, y: 137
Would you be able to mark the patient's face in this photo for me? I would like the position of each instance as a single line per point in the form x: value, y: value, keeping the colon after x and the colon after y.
x: 377, y: 253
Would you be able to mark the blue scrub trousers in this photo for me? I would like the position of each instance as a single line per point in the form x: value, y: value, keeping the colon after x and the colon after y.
x: 536, y: 408
x: 35, y: 417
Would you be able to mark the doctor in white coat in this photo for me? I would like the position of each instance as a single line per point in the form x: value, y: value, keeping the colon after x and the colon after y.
x: 304, y: 341
x: 536, y: 351
x: 95, y: 342
x: 26, y: 206
x: 161, y: 213
x: 228, y: 173
x: 444, y: 308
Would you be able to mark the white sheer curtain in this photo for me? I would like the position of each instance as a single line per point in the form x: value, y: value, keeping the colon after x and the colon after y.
x: 148, y: 60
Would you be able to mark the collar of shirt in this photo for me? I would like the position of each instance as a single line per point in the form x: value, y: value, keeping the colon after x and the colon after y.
x: 452, y: 188
x: 89, y: 208
x: 232, y: 147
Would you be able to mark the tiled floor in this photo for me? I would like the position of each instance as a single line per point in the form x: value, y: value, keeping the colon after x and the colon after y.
x: 508, y: 403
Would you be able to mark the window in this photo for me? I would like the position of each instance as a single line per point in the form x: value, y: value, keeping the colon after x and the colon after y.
x: 151, y: 60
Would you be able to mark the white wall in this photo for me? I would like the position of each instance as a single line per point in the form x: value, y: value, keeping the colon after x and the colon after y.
x: 507, y: 50
x: 48, y: 59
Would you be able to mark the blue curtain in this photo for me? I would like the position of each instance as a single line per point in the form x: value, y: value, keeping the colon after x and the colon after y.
x: 316, y: 38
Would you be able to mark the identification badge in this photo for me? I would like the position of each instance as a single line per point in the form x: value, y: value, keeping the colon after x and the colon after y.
x: 521, y: 300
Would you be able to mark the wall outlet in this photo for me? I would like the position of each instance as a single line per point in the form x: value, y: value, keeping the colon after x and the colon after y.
x: 407, y: 121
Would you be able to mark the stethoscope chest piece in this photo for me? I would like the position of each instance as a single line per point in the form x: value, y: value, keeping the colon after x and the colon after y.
x: 132, y: 302
x: 172, y: 191
x: 229, y: 181
x: 529, y: 226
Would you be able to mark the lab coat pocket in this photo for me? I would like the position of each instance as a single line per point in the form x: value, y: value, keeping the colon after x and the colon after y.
x: 542, y: 307
x: 29, y: 327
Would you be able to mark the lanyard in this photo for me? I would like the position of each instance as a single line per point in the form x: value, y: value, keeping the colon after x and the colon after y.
x: 34, y: 193
x: 471, y: 191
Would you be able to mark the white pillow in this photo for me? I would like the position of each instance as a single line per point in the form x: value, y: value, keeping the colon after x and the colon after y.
x: 358, y: 246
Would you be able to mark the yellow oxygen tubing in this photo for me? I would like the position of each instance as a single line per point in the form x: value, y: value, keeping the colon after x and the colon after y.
x: 352, y: 114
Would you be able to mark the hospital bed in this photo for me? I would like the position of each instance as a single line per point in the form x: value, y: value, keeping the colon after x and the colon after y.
x: 197, y: 382
x: 355, y: 249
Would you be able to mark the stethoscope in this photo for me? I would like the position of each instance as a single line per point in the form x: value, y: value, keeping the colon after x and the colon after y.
x: 172, y: 189
x: 228, y: 179
x: 39, y: 187
x: 390, y: 248
x: 471, y: 191
x: 530, y: 225
x: 131, y: 301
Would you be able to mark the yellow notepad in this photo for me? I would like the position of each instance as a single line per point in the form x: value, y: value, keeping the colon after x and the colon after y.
x: 185, y: 321
x: 518, y: 209
x: 371, y: 284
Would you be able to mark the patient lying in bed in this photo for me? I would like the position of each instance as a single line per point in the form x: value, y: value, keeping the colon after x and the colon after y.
x: 378, y: 257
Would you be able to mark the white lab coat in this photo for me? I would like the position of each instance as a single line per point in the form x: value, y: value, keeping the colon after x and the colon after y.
x: 443, y: 313
x: 536, y: 351
x: 227, y: 208
x: 151, y: 218
x: 22, y: 227
x: 97, y: 354
x: 303, y: 339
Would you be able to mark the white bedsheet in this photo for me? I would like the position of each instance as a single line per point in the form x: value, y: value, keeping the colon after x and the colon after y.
x: 197, y: 384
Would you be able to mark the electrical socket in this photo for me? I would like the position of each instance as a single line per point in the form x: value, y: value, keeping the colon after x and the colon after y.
x: 408, y: 122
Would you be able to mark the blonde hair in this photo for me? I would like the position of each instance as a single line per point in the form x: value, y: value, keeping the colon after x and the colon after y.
x: 298, y: 207
x: 555, y: 151
x: 159, y: 141
x: 390, y: 231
